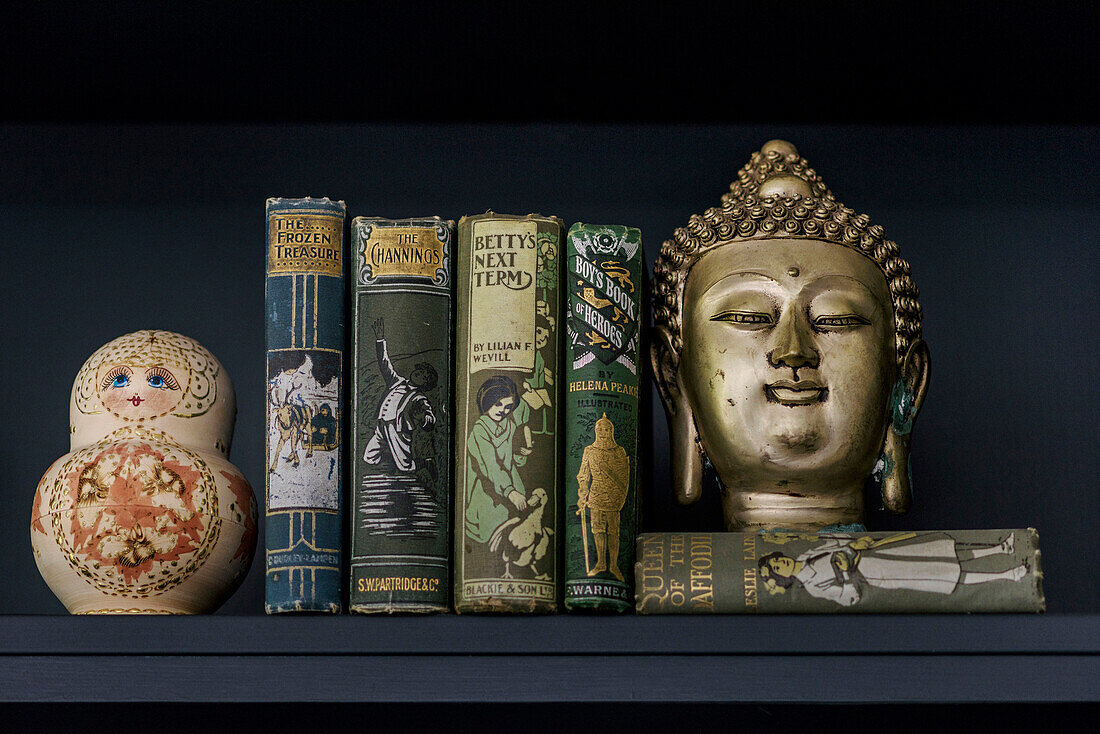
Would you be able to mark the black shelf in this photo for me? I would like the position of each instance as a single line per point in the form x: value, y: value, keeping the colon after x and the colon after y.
x: 805, y: 659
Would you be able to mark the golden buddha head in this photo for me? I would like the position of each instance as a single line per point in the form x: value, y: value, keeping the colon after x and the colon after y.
x: 787, y: 351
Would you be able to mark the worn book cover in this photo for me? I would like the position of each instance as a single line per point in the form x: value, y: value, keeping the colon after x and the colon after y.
x: 507, y: 378
x: 604, y: 287
x: 901, y: 572
x: 305, y: 353
x: 401, y: 406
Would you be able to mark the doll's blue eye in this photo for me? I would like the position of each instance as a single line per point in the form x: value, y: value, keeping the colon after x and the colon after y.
x: 161, y: 379
x: 120, y: 381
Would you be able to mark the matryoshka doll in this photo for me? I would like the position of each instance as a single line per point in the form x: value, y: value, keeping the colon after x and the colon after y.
x: 145, y: 514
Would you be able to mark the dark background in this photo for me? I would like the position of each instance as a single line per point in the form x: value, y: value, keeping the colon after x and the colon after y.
x: 139, y: 144
x: 1006, y: 61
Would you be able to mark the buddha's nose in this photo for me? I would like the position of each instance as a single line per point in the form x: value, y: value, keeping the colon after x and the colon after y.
x: 793, y: 343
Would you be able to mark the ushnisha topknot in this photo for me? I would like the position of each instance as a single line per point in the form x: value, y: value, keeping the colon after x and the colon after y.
x: 778, y: 195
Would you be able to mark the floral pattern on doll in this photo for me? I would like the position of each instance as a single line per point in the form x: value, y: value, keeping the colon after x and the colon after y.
x: 142, y: 519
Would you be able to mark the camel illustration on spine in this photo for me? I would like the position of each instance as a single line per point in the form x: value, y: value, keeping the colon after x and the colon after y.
x: 507, y: 457
x: 604, y: 287
x: 305, y: 338
x: 401, y: 393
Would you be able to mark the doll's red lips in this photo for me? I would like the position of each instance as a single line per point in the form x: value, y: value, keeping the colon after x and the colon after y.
x: 136, y: 400
x: 803, y: 392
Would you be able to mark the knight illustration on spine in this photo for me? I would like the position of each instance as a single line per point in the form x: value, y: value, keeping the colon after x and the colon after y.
x: 601, y: 415
x: 305, y: 342
x: 507, y: 437
x: 401, y: 393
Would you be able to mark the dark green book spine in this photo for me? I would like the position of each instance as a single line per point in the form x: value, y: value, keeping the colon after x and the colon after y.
x: 507, y: 449
x: 305, y: 406
x: 786, y: 572
x: 602, y: 366
x: 401, y: 401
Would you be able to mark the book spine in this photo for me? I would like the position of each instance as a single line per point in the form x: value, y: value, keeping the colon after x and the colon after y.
x: 401, y: 408
x: 305, y: 354
x: 893, y: 572
x: 507, y: 457
x: 603, y: 286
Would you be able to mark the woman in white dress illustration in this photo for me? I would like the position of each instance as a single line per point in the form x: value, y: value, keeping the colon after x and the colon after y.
x: 841, y: 568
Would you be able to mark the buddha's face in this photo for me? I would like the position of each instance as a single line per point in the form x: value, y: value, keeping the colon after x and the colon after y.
x: 791, y: 346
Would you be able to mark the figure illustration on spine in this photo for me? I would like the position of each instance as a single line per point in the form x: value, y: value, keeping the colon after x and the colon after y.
x: 602, y: 409
x: 842, y: 569
x: 304, y: 400
x: 304, y: 429
x: 506, y: 556
x: 401, y: 388
x: 602, y: 488
x: 402, y: 492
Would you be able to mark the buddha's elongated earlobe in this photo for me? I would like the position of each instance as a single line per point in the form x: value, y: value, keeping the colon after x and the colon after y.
x: 686, y: 453
x: 687, y: 456
x: 905, y: 402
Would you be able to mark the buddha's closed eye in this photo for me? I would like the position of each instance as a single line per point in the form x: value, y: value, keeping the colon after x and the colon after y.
x: 840, y: 321
x: 744, y: 318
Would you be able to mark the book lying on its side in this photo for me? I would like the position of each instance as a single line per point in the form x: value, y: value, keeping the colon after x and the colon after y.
x: 602, y: 368
x: 900, y: 572
x: 305, y: 354
x: 507, y: 380
x: 401, y: 407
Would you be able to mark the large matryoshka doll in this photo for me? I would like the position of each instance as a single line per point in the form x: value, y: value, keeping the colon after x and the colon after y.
x: 145, y: 514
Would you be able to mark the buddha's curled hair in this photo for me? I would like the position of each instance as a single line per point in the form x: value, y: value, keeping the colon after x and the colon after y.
x: 778, y: 195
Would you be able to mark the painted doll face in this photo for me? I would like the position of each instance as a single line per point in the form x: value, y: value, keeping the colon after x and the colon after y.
x: 136, y: 392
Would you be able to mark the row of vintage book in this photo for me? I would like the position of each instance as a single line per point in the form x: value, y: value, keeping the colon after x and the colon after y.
x: 470, y: 441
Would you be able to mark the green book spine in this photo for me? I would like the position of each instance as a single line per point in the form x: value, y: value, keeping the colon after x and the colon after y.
x: 507, y: 453
x: 604, y: 287
x: 899, y: 572
x: 401, y: 402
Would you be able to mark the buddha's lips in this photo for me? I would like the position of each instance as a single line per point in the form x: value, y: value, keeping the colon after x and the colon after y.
x: 136, y: 400
x: 803, y: 392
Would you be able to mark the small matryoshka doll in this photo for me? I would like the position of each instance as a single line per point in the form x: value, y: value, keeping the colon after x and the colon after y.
x: 145, y: 514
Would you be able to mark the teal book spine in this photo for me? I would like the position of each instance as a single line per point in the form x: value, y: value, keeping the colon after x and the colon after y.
x: 402, y: 363
x: 602, y: 393
x: 305, y: 305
